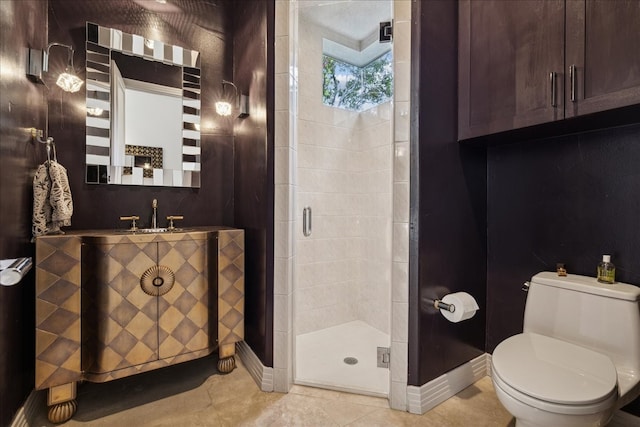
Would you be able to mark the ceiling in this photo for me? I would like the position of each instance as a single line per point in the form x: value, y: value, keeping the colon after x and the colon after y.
x: 351, y: 26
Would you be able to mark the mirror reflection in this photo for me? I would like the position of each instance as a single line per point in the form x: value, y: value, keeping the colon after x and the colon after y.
x: 143, y: 111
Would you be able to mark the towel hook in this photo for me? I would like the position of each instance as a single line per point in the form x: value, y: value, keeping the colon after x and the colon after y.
x: 37, y: 134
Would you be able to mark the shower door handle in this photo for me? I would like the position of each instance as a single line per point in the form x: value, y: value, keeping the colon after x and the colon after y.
x: 306, y: 221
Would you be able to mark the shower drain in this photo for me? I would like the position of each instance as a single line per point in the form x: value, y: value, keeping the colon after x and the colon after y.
x: 350, y: 360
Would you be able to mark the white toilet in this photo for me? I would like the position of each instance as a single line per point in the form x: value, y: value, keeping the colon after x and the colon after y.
x: 578, y: 357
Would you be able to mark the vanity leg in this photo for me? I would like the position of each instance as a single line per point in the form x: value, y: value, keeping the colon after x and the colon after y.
x: 62, y: 402
x: 226, y: 359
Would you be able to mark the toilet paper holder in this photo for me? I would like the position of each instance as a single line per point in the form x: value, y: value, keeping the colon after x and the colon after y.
x: 444, y: 306
x: 13, y: 270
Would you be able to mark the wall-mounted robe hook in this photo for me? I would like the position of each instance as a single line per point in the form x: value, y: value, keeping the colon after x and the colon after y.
x: 37, y: 134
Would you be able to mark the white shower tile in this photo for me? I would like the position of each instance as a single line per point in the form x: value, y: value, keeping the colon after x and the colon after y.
x: 401, y: 202
x: 402, y: 10
x: 401, y: 123
x: 283, y: 239
x: 401, y: 242
x: 398, y: 395
x: 283, y: 276
x: 280, y: 380
x: 399, y: 361
x: 304, y: 251
x: 400, y: 322
x: 283, y: 173
x: 400, y: 282
x: 281, y: 313
x: 379, y: 181
x: 402, y: 81
x: 401, y: 163
x: 281, y: 83
x: 281, y: 129
x: 402, y: 41
x: 281, y: 347
x: 283, y: 200
x: 281, y: 54
x: 282, y: 18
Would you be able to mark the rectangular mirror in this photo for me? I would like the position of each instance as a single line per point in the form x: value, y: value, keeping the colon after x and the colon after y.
x: 143, y: 111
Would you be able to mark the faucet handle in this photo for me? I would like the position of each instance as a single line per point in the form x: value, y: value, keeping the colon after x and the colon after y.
x: 171, y: 218
x: 133, y: 219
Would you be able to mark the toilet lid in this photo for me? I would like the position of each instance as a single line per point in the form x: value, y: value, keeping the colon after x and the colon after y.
x: 553, y: 370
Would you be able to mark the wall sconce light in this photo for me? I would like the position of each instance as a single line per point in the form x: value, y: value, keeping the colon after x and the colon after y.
x: 224, y: 108
x: 38, y: 61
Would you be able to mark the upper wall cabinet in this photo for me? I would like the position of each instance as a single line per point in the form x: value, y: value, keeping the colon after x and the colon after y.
x: 603, y: 55
x: 536, y: 61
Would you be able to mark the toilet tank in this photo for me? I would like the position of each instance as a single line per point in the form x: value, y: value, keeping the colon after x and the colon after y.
x: 605, y: 318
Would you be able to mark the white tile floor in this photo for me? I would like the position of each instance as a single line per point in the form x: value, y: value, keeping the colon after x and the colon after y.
x: 320, y: 359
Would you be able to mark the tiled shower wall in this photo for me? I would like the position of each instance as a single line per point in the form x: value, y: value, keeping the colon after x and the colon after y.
x: 288, y: 210
x: 374, y: 161
x: 344, y: 174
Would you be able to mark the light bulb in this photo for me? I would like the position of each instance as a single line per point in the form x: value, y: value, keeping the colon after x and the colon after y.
x: 223, y: 108
x: 69, y: 82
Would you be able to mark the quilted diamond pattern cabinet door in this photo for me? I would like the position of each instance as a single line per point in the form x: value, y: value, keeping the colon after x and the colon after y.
x: 183, y: 317
x: 119, y: 326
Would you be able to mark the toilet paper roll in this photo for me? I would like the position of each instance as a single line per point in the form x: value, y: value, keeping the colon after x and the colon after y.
x: 13, y: 270
x: 466, y: 307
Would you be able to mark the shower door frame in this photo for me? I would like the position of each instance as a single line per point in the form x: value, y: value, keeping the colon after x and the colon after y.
x: 286, y: 222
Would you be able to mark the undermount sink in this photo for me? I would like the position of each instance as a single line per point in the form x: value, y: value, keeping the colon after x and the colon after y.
x: 152, y: 230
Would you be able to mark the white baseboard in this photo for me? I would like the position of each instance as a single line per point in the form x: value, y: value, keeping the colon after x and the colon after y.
x: 262, y: 375
x: 427, y: 396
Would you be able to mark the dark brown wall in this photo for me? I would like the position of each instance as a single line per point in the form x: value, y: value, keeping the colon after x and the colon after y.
x: 195, y: 24
x: 568, y: 199
x: 231, y: 37
x: 201, y: 25
x: 23, y: 24
x: 253, y: 163
x: 448, y: 213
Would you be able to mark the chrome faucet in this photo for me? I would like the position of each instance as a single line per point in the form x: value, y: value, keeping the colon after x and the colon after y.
x: 154, y: 217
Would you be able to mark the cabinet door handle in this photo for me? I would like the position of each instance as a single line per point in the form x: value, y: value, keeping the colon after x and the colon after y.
x: 572, y: 77
x: 554, y: 89
x: 306, y: 221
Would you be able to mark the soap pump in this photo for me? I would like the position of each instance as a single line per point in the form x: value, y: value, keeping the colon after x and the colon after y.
x: 606, y: 270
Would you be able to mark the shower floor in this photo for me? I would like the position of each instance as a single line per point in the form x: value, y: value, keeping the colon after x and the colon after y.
x: 320, y: 355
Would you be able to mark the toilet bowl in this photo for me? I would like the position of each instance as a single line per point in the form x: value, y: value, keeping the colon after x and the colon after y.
x: 578, y: 357
x: 543, y: 381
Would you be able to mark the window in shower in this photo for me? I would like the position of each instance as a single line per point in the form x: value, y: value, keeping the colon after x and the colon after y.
x: 357, y: 88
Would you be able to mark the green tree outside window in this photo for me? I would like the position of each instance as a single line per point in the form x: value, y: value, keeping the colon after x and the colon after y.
x: 357, y: 88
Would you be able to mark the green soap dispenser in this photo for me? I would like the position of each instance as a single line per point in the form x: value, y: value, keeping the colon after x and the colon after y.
x: 606, y: 270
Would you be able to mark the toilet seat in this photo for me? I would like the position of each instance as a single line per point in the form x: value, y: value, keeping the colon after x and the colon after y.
x: 554, y: 375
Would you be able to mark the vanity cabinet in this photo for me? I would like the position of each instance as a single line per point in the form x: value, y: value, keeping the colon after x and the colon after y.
x: 112, y: 304
x: 516, y: 68
x: 145, y: 301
